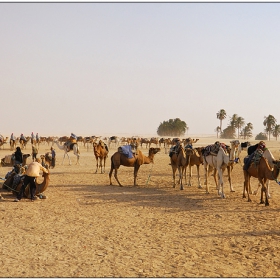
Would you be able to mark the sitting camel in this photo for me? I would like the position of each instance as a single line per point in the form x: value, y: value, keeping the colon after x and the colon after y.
x: 263, y: 172
x: 178, y: 162
x: 67, y: 148
x: 136, y: 161
x: 40, y: 188
x: 9, y: 161
x: 100, y: 151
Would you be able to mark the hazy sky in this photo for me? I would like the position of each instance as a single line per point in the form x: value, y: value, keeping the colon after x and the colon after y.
x: 123, y: 68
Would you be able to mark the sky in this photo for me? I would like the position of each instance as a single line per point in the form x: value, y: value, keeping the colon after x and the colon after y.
x: 124, y: 68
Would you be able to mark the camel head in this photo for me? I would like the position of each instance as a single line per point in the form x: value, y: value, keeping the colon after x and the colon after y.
x: 153, y: 151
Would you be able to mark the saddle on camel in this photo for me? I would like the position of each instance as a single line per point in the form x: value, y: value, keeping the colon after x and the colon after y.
x: 15, y: 178
x: 70, y: 143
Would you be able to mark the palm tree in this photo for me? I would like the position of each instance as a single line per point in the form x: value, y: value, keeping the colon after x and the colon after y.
x: 269, y: 122
x: 239, y: 123
x: 218, y: 130
x: 221, y: 115
x: 276, y: 131
x: 246, y: 132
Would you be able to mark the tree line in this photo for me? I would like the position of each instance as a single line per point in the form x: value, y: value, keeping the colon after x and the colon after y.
x: 237, y: 124
x: 237, y: 128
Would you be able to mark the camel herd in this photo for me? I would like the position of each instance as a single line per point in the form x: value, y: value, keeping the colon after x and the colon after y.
x: 183, y: 159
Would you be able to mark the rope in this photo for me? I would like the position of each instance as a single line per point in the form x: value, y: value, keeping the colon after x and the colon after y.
x: 149, y: 175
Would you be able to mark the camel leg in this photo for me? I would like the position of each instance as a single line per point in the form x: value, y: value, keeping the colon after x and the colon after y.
x: 181, y: 171
x: 229, y: 169
x: 174, y: 169
x: 198, y: 177
x: 136, y: 168
x: 206, y: 177
x: 246, y: 185
x: 221, y: 183
x: 116, y: 177
x: 267, y: 189
x: 96, y: 164
x: 190, y: 176
x: 264, y: 191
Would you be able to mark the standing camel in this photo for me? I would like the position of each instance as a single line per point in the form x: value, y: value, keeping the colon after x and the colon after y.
x: 270, y: 158
x: 119, y: 159
x: 195, y: 158
x: 179, y: 161
x: 263, y: 172
x: 12, y: 144
x: 100, y: 151
x: 219, y: 161
x: 72, y: 147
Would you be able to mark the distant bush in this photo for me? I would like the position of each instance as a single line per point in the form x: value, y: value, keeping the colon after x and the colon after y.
x: 261, y: 136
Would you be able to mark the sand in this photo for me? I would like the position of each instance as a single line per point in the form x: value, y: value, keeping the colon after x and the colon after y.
x: 87, y: 228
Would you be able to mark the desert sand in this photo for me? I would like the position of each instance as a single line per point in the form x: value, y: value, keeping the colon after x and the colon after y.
x: 87, y: 228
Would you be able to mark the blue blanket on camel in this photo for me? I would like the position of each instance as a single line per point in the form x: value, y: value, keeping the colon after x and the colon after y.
x: 126, y: 150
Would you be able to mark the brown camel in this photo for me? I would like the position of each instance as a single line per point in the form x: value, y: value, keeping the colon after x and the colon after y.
x: 263, y: 172
x: 12, y: 144
x: 195, y: 158
x: 179, y: 161
x: 23, y: 142
x: 119, y: 159
x: 100, y: 151
x: 40, y: 188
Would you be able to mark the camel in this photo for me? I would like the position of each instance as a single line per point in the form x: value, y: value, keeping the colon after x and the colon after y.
x: 100, y: 151
x: 263, y: 172
x: 4, y: 141
x: 23, y: 142
x: 144, y: 141
x: 219, y: 161
x: 40, y: 188
x: 113, y: 139
x: 46, y: 159
x: 72, y: 147
x: 12, y: 144
x: 153, y: 140
x: 9, y: 160
x: 179, y: 161
x: 119, y: 159
x: 234, y: 152
x: 195, y: 158
x: 270, y: 158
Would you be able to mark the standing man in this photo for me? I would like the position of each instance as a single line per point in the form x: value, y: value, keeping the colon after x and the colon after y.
x: 32, y: 172
x: 53, y: 157
x: 34, y: 152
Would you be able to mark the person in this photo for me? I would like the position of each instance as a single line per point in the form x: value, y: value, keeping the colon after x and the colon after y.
x: 53, y: 157
x: 73, y: 138
x: 188, y: 143
x: 13, y: 136
x: 34, y: 152
x: 32, y: 135
x: 31, y: 173
x: 37, y: 137
x: 22, y: 137
x: 259, y: 148
x: 18, y: 156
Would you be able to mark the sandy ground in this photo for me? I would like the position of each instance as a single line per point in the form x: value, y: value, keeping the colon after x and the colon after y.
x: 87, y: 228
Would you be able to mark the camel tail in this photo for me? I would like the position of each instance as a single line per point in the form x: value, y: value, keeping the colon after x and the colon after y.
x: 112, y: 163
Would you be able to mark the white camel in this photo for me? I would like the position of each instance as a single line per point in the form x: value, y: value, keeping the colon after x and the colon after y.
x: 219, y: 161
x: 73, y: 147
